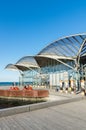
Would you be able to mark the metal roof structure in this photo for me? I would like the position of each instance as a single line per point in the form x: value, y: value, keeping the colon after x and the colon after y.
x: 25, y: 63
x: 16, y: 67
x: 66, y: 48
x: 28, y: 61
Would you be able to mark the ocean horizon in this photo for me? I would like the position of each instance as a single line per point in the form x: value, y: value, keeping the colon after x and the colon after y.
x: 13, y: 83
x: 8, y: 83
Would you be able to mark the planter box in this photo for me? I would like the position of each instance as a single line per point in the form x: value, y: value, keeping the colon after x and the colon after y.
x: 24, y: 93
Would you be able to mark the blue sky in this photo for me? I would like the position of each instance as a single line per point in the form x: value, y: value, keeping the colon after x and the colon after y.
x: 26, y: 26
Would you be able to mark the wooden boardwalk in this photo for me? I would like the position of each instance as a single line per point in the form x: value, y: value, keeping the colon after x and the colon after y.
x: 70, y: 116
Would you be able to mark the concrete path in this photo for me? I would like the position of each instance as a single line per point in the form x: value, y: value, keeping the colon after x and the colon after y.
x: 70, y: 116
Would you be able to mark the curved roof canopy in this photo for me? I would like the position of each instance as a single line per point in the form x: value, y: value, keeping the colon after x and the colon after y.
x: 66, y: 47
x: 28, y: 61
x: 25, y: 63
x: 16, y: 67
x: 11, y: 66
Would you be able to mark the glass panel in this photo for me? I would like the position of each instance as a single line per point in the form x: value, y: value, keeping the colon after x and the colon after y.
x: 79, y: 39
x: 51, y: 50
x: 60, y: 48
x: 83, y: 37
x: 83, y: 52
x: 71, y: 46
x: 75, y: 43
x: 68, y: 46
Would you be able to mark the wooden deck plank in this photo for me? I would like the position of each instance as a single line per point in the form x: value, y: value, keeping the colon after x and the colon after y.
x: 10, y: 124
x: 71, y: 116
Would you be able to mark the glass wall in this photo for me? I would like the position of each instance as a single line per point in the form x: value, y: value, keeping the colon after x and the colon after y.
x: 50, y: 75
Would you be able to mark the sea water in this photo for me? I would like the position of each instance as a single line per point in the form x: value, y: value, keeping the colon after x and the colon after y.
x: 8, y: 83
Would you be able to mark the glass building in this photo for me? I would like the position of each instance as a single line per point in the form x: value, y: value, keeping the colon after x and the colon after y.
x: 61, y: 63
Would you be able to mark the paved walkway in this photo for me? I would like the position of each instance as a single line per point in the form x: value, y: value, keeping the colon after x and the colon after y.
x: 70, y: 116
x: 55, y: 96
